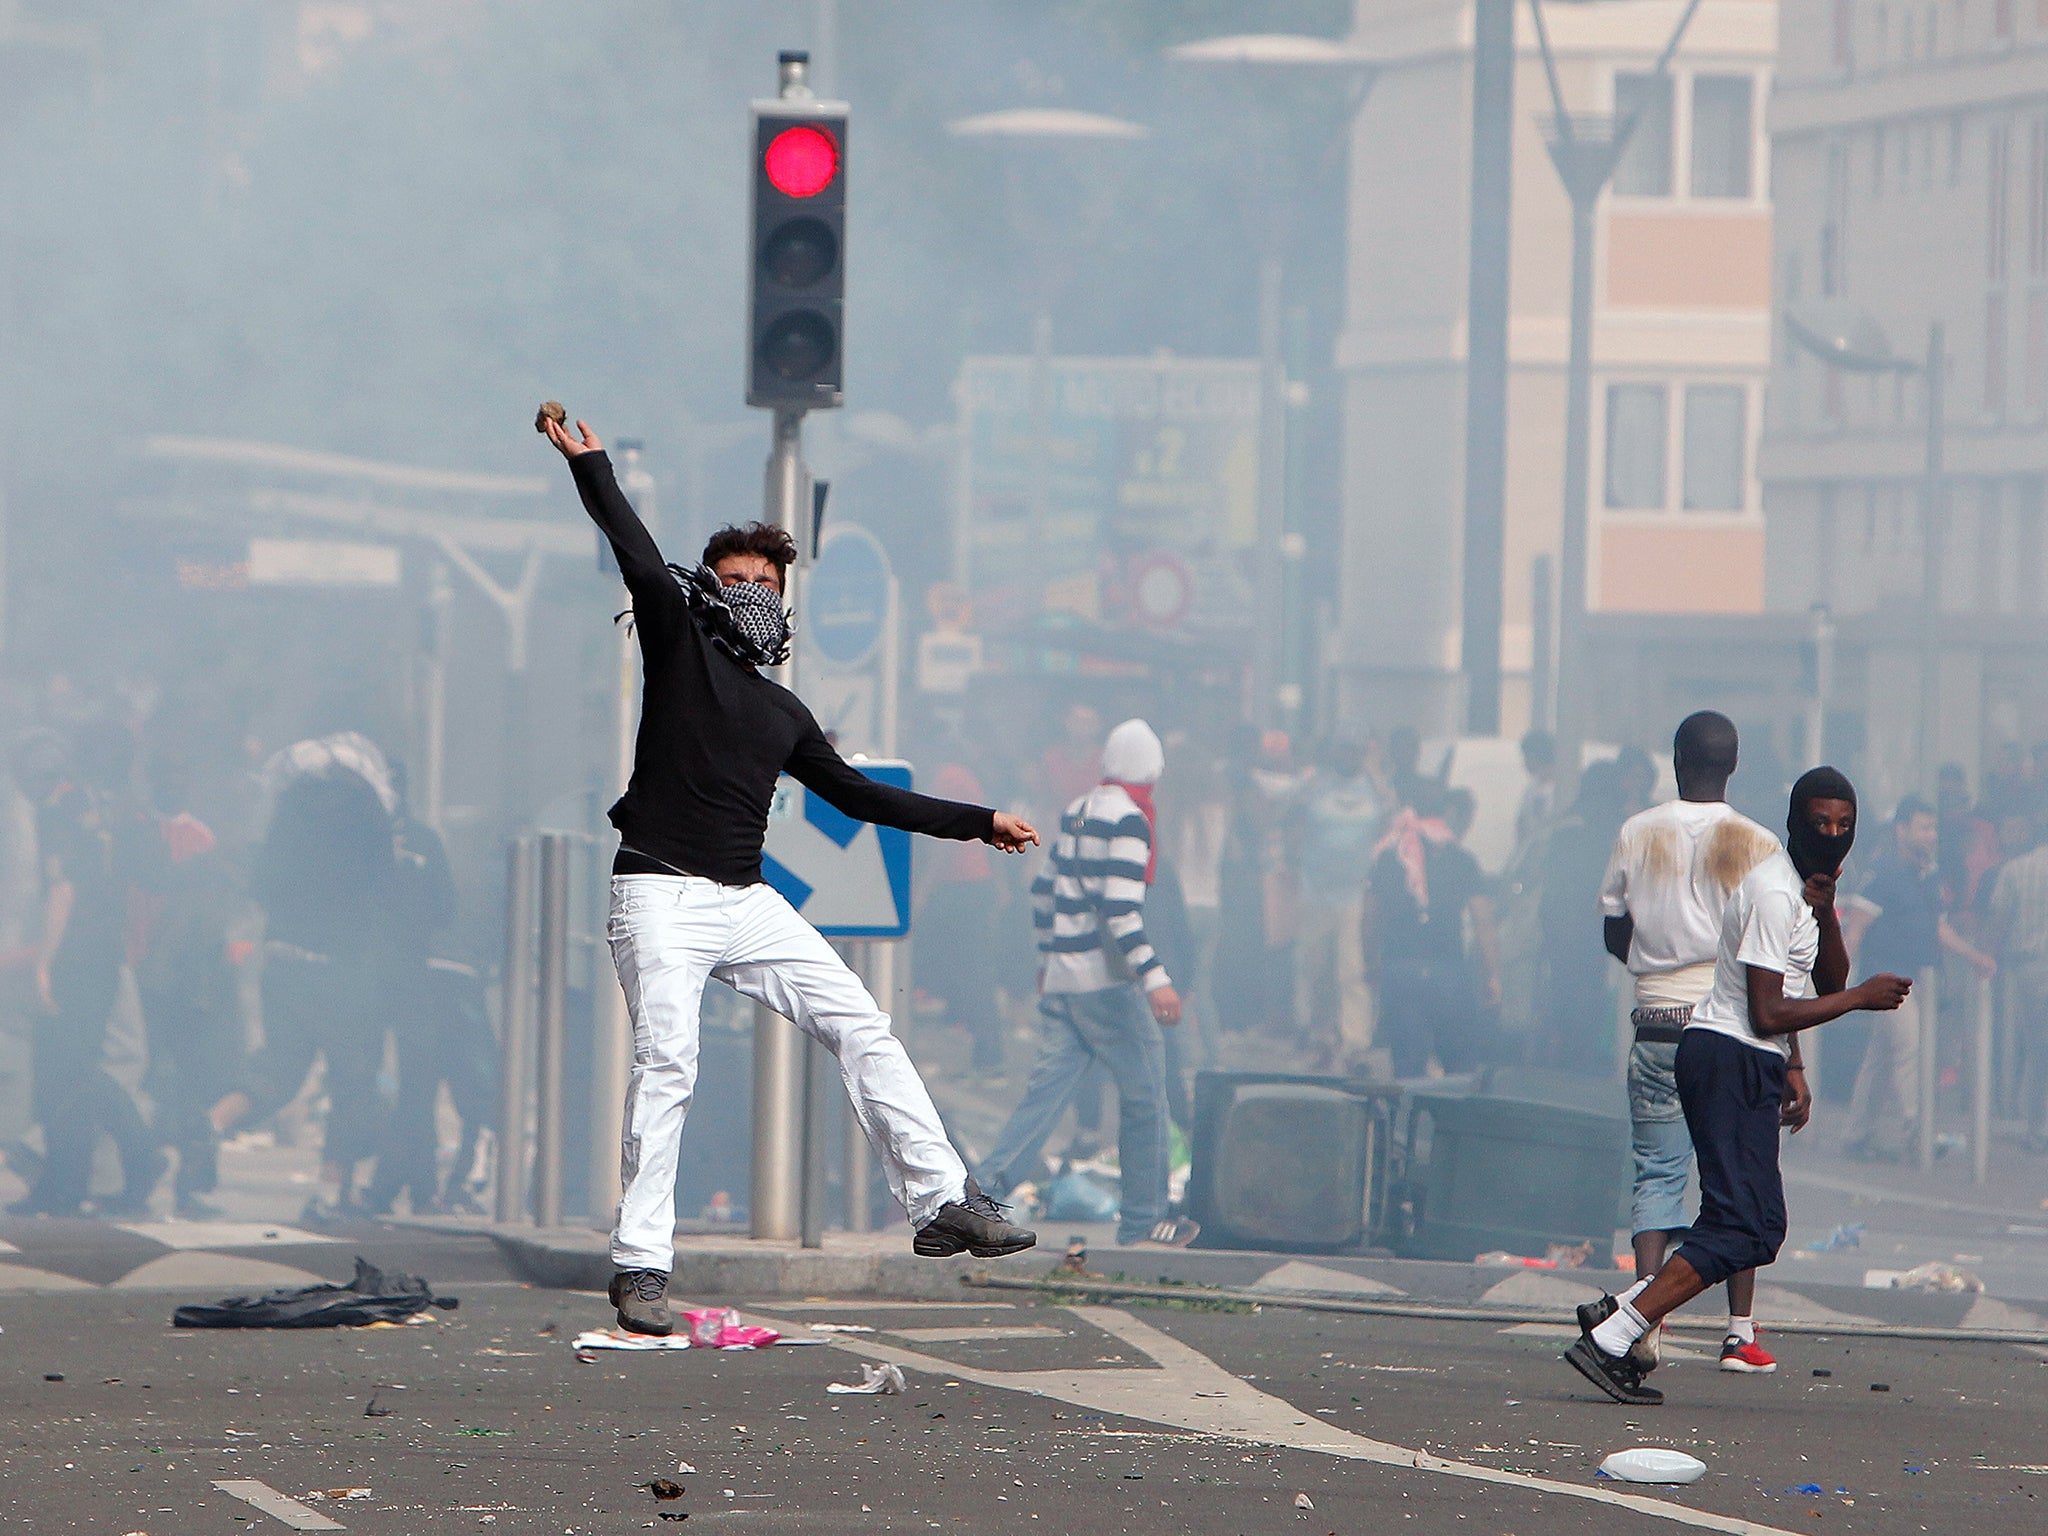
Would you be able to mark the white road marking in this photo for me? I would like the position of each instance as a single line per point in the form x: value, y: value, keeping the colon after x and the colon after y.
x: 896, y: 1306
x: 274, y: 1504
x: 1187, y: 1390
x: 1320, y: 1280
x: 968, y: 1335
x: 222, y: 1234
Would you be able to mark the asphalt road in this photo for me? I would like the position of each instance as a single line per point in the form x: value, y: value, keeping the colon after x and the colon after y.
x: 1089, y: 1419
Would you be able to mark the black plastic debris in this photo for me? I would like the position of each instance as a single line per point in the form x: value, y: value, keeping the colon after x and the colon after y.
x: 372, y: 1297
x: 665, y: 1488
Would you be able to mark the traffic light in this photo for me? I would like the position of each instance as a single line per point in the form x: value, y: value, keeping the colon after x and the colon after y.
x: 797, y: 280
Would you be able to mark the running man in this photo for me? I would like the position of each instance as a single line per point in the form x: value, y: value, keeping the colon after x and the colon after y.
x: 1780, y: 968
x: 1674, y: 868
x: 689, y: 905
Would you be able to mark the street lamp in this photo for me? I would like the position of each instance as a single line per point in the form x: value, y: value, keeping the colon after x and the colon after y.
x: 1845, y: 335
x: 1263, y: 56
x: 1585, y: 148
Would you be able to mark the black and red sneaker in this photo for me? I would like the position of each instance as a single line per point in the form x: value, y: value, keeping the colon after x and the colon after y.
x: 1747, y: 1356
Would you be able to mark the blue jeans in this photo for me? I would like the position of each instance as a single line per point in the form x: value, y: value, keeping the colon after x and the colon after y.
x: 1657, y: 1134
x: 1115, y: 1027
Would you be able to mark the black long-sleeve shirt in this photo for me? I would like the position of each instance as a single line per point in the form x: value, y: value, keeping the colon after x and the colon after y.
x: 714, y: 734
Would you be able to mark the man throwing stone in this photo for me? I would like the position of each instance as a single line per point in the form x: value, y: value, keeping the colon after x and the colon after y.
x: 1780, y: 968
x: 689, y: 905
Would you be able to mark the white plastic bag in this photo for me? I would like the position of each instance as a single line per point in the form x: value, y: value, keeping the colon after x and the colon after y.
x: 1654, y: 1464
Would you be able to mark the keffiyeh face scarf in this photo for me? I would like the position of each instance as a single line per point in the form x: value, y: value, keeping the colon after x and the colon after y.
x: 746, y: 620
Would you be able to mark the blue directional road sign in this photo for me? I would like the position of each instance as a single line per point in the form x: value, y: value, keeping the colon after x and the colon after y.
x: 849, y: 879
x: 846, y: 597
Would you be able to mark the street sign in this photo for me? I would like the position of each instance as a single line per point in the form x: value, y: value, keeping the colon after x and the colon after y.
x: 846, y: 597
x: 849, y: 879
x: 1083, y: 477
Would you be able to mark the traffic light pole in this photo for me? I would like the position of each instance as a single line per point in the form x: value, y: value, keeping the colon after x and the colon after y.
x: 774, y: 1206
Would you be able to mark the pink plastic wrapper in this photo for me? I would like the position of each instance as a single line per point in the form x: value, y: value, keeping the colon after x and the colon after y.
x: 721, y: 1328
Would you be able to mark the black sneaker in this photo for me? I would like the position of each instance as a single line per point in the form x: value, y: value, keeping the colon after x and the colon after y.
x: 972, y: 1224
x: 1593, y: 1313
x: 1621, y: 1379
x: 641, y: 1296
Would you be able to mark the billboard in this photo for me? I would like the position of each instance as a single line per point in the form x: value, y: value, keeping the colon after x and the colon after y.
x: 1122, y: 489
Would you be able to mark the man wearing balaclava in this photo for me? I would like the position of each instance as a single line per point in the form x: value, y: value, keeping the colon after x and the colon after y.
x: 1103, y: 993
x: 1780, y: 968
x: 689, y: 904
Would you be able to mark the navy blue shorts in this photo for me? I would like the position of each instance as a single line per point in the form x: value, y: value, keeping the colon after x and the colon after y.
x: 1732, y: 1095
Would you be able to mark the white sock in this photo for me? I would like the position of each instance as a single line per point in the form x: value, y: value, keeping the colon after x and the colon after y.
x: 1614, y: 1336
x: 1743, y: 1328
x: 1635, y: 1290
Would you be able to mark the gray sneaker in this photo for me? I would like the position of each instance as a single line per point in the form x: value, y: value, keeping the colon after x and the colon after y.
x: 641, y: 1295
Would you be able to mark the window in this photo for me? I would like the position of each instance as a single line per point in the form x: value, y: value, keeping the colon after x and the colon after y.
x: 1645, y: 166
x: 1722, y: 137
x: 1997, y: 185
x: 2036, y: 384
x: 1844, y: 40
x: 1955, y: 151
x: 1877, y: 151
x: 1635, y: 447
x: 2037, y: 198
x: 2002, y: 20
x: 1835, y: 204
x: 1716, y: 437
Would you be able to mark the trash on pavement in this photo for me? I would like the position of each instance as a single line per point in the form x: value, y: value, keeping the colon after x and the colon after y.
x: 1807, y: 1488
x: 337, y: 1493
x: 1654, y: 1464
x: 876, y: 1380
x: 1500, y: 1257
x: 738, y: 1337
x: 372, y: 1296
x: 1880, y: 1386
x: 721, y: 1328
x: 1847, y: 1235
x: 665, y: 1488
x: 841, y: 1328
x: 1303, y: 1501
x: 1937, y: 1277
x: 1083, y: 1194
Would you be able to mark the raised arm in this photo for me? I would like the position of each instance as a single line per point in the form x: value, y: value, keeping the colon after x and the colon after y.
x: 639, y: 557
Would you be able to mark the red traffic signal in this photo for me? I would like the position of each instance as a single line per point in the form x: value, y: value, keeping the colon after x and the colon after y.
x: 801, y: 161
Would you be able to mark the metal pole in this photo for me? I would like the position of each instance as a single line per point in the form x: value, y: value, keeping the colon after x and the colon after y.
x: 515, y: 1028
x: 1578, y: 427
x: 817, y: 1107
x: 1542, y: 643
x: 1928, y: 996
x: 1933, y: 526
x: 878, y: 971
x: 434, y: 777
x: 774, y: 1196
x: 1486, y: 360
x: 611, y: 1045
x: 554, y: 992
x: 1272, y: 575
x: 1980, y: 1087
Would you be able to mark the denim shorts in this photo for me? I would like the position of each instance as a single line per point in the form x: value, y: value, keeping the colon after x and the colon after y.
x: 1658, y: 1137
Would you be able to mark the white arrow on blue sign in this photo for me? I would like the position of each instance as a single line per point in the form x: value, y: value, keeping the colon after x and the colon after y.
x: 849, y: 879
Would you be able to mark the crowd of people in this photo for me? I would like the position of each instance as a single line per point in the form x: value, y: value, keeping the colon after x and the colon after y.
x: 1321, y: 911
x: 182, y: 986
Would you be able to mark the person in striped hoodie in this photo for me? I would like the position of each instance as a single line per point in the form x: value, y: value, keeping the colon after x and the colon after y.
x: 1102, y: 992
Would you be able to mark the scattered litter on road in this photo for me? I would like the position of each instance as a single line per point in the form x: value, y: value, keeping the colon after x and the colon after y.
x: 372, y: 1411
x: 1075, y: 1260
x: 665, y: 1488
x: 1823, y: 1373
x: 1880, y: 1386
x: 744, y: 1337
x: 336, y: 1493
x: 841, y: 1328
x: 1653, y: 1464
x: 884, y: 1378
x: 1848, y: 1235
x: 1937, y: 1277
x: 1303, y: 1501
x: 683, y: 1467
x: 372, y: 1296
x: 53, y: 1375
x: 721, y: 1328
x: 1807, y: 1488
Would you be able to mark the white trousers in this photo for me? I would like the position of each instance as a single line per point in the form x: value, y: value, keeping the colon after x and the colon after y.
x: 672, y: 933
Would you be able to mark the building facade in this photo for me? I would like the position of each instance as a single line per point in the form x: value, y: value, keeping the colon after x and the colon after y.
x: 1681, y: 350
x: 1911, y: 150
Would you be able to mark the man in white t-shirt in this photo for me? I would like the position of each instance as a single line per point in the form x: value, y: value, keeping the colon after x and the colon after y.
x: 1780, y: 968
x: 1674, y: 868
